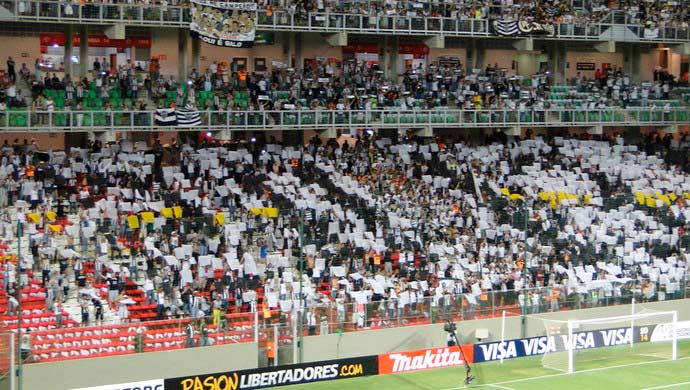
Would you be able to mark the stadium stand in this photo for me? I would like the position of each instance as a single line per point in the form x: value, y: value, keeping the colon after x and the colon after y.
x: 442, y: 186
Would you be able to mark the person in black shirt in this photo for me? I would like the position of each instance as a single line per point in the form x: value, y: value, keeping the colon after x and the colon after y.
x: 98, y: 306
x: 11, y: 75
x: 113, y: 288
x: 85, y: 313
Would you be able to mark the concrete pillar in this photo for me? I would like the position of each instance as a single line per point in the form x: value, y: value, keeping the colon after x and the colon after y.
x: 83, y: 50
x: 479, y: 51
x: 389, y: 57
x: 196, y: 55
x: 631, y: 62
x: 287, y: 42
x: 183, y: 58
x: 474, y: 53
x: 67, y: 60
x: 292, y: 48
x: 527, y: 63
x: 299, y: 53
x: 557, y: 60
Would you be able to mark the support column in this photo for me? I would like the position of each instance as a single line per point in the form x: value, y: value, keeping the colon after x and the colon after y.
x: 288, y: 42
x: 527, y: 63
x: 474, y: 55
x: 388, y: 57
x: 196, y: 55
x: 631, y: 62
x: 557, y: 59
x: 299, y: 53
x: 67, y: 60
x: 292, y: 50
x: 183, y: 57
x: 479, y: 52
x: 83, y: 51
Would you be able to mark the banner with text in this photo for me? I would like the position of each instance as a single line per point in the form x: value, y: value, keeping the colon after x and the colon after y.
x: 155, y: 384
x: 278, y: 376
x: 223, y: 24
x: 664, y: 331
x: 423, y: 359
x: 533, y: 346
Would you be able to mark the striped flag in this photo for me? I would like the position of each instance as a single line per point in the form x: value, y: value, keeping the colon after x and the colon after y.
x: 522, y: 28
x: 188, y: 116
x: 506, y: 27
x: 166, y: 117
x: 185, y: 117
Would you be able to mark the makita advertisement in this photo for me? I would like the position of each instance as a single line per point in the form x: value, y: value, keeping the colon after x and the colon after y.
x: 278, y: 376
x: 423, y: 359
x: 532, y: 346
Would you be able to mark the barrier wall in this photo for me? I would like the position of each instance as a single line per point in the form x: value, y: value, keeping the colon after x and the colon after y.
x: 64, y: 375
x: 235, y: 358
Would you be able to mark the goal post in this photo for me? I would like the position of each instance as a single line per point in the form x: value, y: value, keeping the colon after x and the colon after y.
x: 597, y: 342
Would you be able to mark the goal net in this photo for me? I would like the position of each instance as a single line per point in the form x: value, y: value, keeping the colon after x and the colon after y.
x: 603, y: 342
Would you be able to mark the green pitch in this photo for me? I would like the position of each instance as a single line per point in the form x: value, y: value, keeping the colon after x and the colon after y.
x: 644, y: 367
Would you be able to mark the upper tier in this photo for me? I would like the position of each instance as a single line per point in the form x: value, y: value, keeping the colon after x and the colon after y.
x: 613, y: 26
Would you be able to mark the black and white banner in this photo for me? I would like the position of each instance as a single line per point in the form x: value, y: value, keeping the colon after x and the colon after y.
x: 185, y: 117
x: 510, y: 28
x: 228, y: 24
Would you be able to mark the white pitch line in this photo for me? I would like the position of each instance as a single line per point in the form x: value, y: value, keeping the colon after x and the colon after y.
x: 666, y: 386
x: 501, y: 387
x: 565, y: 373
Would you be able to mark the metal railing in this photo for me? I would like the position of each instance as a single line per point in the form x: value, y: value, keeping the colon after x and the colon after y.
x: 80, y: 121
x: 279, y: 20
x: 489, y: 304
x: 139, y: 337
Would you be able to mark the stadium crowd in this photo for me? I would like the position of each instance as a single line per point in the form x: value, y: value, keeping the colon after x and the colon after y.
x: 387, y: 224
x: 352, y: 85
x: 645, y: 14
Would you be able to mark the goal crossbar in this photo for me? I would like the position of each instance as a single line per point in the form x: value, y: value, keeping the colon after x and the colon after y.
x: 674, y: 314
x: 609, y: 319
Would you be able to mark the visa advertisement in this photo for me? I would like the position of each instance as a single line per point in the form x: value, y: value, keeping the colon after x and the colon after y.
x: 540, y: 345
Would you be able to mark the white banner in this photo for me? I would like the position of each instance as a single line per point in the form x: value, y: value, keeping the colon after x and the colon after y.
x: 155, y: 384
x: 219, y: 23
x: 663, y: 332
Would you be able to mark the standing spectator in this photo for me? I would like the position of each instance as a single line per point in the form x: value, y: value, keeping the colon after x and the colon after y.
x: 85, y: 313
x: 203, y: 334
x: 311, y: 322
x: 189, y: 335
x: 160, y: 303
x: 98, y: 307
x: 11, y: 74
x: 270, y: 353
x: 25, y: 345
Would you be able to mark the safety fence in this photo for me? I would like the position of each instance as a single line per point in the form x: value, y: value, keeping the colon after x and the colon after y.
x: 82, y: 121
